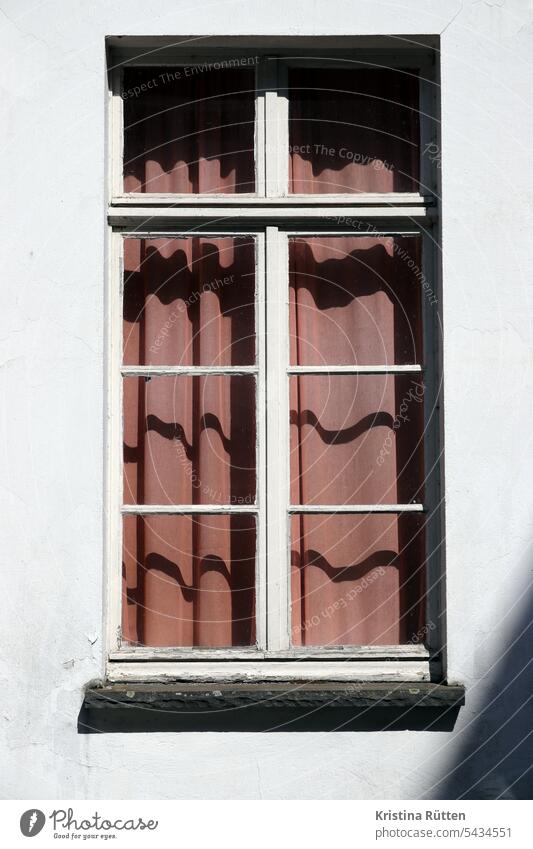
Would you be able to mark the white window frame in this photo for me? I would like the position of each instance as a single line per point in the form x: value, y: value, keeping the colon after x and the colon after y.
x: 271, y: 217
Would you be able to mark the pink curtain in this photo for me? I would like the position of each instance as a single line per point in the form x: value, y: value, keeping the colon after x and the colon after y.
x: 355, y: 300
x: 357, y: 580
x: 189, y: 301
x: 353, y: 131
x: 189, y: 440
x: 345, y: 447
x: 188, y: 130
x: 189, y: 580
x: 356, y: 439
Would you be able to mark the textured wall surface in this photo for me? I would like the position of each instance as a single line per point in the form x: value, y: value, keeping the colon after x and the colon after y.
x: 52, y: 385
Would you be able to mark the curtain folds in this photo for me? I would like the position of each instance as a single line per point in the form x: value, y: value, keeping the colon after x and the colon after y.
x: 356, y: 439
x: 353, y: 131
x: 189, y: 131
x: 189, y: 579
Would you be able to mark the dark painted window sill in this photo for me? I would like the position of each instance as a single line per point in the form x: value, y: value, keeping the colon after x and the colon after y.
x: 270, y: 707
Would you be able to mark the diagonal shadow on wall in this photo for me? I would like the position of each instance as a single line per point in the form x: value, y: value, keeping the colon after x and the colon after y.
x: 495, y: 759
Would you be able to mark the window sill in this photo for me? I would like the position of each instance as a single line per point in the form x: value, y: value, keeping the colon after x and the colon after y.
x: 270, y: 706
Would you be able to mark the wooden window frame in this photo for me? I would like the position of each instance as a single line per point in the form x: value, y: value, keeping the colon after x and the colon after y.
x: 271, y: 216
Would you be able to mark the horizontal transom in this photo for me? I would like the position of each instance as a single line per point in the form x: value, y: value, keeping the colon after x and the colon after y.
x: 215, y: 215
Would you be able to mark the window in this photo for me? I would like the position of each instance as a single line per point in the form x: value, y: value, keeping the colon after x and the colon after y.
x: 274, y: 379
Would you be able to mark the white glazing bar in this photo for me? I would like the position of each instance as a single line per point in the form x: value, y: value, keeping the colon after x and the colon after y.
x: 277, y: 441
x: 354, y: 369
x: 356, y: 508
x: 149, y: 371
x: 150, y: 509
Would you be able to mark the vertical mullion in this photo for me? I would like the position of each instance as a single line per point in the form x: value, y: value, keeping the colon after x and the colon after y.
x: 261, y: 459
x: 260, y: 85
x: 282, y: 126
x: 277, y: 441
x: 276, y: 129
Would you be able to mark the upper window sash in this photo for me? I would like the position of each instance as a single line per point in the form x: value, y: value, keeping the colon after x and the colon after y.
x: 272, y: 131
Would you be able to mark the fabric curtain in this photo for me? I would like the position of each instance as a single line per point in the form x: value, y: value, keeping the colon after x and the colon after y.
x: 355, y: 300
x: 189, y: 130
x: 189, y: 580
x: 353, y: 131
x: 356, y: 439
x: 189, y: 301
x: 357, y: 579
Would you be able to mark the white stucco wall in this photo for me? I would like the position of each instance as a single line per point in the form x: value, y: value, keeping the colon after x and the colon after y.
x: 52, y: 378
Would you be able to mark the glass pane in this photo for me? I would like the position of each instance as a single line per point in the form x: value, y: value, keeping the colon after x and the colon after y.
x: 355, y: 300
x: 189, y: 440
x: 189, y: 301
x: 189, y: 580
x: 353, y: 131
x: 356, y: 439
x: 357, y: 579
x: 189, y: 130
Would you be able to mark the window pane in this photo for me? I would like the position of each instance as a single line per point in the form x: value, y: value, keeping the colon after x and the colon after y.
x: 353, y: 131
x: 189, y: 580
x: 356, y: 439
x: 355, y: 300
x: 189, y: 440
x: 188, y: 130
x: 357, y: 580
x: 189, y: 301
